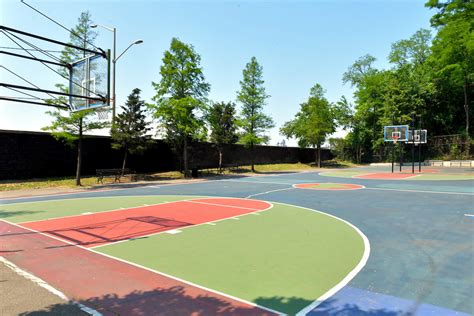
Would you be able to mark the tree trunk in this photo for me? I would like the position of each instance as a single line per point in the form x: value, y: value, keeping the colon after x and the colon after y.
x: 220, y: 160
x: 319, y: 156
x: 466, y: 109
x: 79, y: 155
x: 124, y: 162
x: 185, y: 157
x: 252, y: 160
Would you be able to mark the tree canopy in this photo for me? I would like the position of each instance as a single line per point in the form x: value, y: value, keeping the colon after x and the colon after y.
x: 252, y: 96
x: 130, y: 130
x: 181, y: 97
x: 314, y: 122
x: 222, y: 123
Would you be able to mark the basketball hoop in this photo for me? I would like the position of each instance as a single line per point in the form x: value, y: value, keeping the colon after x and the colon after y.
x: 395, y: 139
x: 102, y: 113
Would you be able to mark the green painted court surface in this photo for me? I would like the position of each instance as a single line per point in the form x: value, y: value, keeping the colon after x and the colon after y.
x: 283, y: 258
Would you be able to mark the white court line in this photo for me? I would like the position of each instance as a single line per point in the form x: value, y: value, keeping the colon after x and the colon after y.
x: 349, y: 276
x: 47, y: 287
x: 156, y: 186
x: 91, y: 213
x: 267, y: 192
x: 421, y: 191
x: 156, y: 271
x: 100, y: 191
x: 173, y: 231
x: 308, y: 308
x: 263, y: 182
x: 469, y: 215
x: 224, y: 205
x: 350, y: 189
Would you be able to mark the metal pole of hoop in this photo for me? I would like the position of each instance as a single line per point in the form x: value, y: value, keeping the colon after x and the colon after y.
x: 393, y: 155
x: 395, y: 141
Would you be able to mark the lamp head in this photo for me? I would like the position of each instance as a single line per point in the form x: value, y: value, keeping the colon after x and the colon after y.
x: 138, y: 42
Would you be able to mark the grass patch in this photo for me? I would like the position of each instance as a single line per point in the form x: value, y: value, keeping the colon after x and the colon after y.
x: 282, y: 167
x: 67, y: 182
x: 90, y: 181
x: 87, y: 182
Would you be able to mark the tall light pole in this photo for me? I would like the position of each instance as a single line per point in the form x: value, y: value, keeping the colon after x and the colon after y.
x: 114, y: 62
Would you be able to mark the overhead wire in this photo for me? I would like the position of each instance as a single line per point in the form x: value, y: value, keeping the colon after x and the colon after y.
x: 52, y: 69
x: 31, y: 83
x: 35, y: 47
x: 45, y: 50
x: 25, y: 93
x: 59, y: 24
x: 20, y: 98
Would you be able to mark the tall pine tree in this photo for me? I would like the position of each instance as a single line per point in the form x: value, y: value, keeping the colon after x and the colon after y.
x: 253, y: 121
x: 129, y: 133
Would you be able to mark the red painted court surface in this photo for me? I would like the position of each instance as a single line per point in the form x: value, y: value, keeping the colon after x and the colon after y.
x: 110, y: 286
x: 337, y: 186
x: 383, y: 175
x: 106, y: 227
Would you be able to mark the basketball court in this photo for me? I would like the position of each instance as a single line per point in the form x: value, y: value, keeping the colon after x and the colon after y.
x: 266, y: 245
x: 361, y: 241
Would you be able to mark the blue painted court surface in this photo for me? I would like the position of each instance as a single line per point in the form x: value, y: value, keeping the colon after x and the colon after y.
x: 422, y: 247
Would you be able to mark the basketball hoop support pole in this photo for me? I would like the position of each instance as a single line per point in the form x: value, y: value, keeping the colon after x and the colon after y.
x: 401, y: 156
x: 419, y: 148
x: 413, y: 144
x: 419, y: 157
x: 393, y: 155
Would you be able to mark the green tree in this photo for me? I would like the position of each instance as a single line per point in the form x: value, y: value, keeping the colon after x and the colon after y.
x: 253, y: 121
x: 453, y: 54
x: 181, y: 97
x: 71, y: 127
x: 360, y: 69
x: 222, y: 122
x: 313, y: 123
x: 129, y: 133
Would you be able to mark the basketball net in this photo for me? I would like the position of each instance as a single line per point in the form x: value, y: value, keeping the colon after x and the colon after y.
x: 102, y: 113
x: 395, y: 139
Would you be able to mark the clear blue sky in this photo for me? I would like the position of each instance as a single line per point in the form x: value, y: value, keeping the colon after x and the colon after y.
x: 298, y: 43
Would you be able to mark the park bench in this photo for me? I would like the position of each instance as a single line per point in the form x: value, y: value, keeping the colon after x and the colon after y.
x: 211, y: 169
x: 115, y: 173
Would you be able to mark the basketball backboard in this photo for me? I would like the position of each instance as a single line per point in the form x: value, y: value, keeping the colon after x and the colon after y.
x: 421, y: 136
x: 394, y: 133
x: 89, y: 83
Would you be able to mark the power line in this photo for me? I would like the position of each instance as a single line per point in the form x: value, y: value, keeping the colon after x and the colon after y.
x: 25, y: 93
x: 27, y: 81
x: 62, y: 26
x: 21, y: 100
x: 36, y: 59
x: 34, y: 46
x: 32, y: 49
x: 58, y: 73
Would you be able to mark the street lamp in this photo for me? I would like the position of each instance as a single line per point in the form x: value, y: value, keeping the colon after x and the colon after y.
x: 114, y: 61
